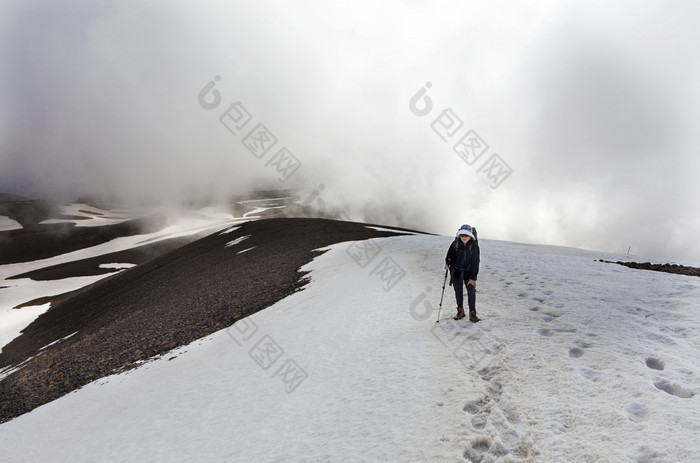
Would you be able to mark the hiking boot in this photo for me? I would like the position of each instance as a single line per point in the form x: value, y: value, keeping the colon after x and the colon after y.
x: 460, y: 314
x: 472, y: 316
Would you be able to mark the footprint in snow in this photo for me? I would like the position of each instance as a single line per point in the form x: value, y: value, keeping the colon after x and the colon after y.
x: 674, y: 389
x: 478, y: 447
x: 549, y: 316
x: 544, y: 332
x: 589, y: 374
x: 655, y: 364
x: 480, y: 410
x: 643, y: 454
x: 482, y: 444
x: 637, y: 412
x: 474, y: 406
x: 576, y: 352
x: 482, y: 448
x: 479, y: 420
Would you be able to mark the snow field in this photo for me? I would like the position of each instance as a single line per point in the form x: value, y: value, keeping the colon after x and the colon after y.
x: 574, y: 360
x: 586, y: 365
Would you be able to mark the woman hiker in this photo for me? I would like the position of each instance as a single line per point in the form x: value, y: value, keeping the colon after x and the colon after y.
x: 463, y: 262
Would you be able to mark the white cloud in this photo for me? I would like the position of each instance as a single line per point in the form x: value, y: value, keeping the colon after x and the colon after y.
x: 594, y: 106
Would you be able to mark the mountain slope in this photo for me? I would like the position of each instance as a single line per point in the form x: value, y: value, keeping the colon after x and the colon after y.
x: 575, y: 360
x: 170, y: 301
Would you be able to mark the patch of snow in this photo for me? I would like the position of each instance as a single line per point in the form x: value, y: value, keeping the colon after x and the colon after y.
x: 248, y: 249
x: 229, y: 230
x: 15, y: 320
x: 237, y: 240
x: 7, y: 224
x: 393, y: 230
x: 7, y: 371
x: 117, y: 266
x: 90, y: 216
x: 58, y: 340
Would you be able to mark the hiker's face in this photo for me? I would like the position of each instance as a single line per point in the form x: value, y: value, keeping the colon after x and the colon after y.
x: 465, y: 238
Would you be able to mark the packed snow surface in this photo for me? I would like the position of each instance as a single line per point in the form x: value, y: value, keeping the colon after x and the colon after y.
x: 574, y: 361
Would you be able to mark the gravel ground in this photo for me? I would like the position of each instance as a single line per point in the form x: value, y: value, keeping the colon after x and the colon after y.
x: 168, y: 302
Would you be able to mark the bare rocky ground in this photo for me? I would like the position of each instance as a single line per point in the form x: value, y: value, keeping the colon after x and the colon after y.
x: 668, y: 268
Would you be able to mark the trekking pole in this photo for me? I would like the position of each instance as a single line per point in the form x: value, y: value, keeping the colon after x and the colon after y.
x: 443, y: 295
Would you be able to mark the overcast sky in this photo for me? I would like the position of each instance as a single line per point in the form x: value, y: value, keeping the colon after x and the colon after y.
x: 586, y: 113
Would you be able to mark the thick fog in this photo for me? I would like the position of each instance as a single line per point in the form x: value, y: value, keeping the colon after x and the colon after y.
x: 569, y: 123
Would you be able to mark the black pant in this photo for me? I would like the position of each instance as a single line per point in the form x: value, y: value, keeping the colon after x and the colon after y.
x: 458, y: 278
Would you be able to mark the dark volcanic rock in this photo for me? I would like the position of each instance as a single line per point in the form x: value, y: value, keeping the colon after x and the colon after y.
x: 668, y: 268
x: 168, y: 302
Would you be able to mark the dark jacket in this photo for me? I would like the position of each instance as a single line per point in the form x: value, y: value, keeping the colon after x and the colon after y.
x: 464, y: 258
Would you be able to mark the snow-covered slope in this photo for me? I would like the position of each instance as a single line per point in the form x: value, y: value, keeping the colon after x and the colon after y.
x: 574, y: 361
